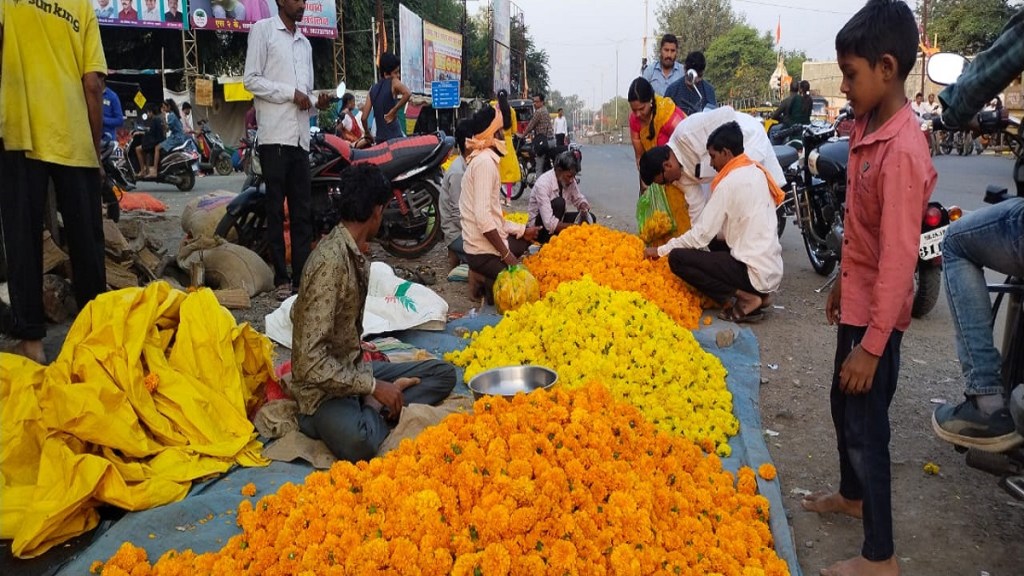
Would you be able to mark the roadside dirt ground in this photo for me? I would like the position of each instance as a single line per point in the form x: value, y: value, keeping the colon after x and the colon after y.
x: 958, y: 522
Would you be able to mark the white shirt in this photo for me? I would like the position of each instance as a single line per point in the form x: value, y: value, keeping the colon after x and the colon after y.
x: 742, y: 208
x: 920, y: 108
x: 689, y: 143
x: 561, y: 125
x: 545, y: 189
x: 150, y: 15
x: 276, y: 65
x: 186, y: 122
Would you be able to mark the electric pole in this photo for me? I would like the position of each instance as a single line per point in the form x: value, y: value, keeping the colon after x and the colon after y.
x: 924, y: 41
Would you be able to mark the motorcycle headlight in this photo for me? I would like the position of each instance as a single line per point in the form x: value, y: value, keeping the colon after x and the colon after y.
x: 812, y: 162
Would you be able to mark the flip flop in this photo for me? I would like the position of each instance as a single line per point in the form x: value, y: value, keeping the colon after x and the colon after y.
x: 283, y: 292
x: 734, y: 315
x: 426, y: 275
x: 406, y: 274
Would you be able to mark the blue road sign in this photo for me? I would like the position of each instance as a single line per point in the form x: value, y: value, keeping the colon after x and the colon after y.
x: 444, y: 94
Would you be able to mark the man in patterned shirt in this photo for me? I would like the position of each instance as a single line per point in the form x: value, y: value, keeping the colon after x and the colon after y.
x: 343, y: 400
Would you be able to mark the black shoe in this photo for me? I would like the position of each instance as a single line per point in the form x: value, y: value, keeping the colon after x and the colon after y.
x: 965, y: 425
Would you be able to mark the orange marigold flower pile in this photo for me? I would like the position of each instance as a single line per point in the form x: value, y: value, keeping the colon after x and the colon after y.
x: 587, y: 332
x: 616, y: 260
x: 567, y: 482
x: 656, y: 227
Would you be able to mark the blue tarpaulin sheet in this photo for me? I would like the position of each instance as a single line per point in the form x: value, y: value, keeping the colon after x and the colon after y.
x: 205, y: 520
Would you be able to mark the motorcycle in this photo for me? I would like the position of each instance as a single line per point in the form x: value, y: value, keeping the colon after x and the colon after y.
x: 1008, y: 465
x: 178, y: 167
x: 819, y: 204
x: 527, y: 166
x: 116, y: 182
x: 411, y: 224
x: 212, y: 154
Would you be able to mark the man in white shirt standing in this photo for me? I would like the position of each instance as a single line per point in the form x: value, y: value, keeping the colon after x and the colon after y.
x: 279, y: 73
x: 743, y: 273
x: 561, y: 128
x: 552, y: 192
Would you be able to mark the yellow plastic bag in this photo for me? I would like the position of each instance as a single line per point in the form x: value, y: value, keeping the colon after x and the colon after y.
x: 514, y: 287
x: 149, y: 392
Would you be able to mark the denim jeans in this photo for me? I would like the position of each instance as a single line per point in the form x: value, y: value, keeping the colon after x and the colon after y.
x: 992, y: 237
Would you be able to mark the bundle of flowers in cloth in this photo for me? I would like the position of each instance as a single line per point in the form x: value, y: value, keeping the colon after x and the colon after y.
x: 616, y: 260
x: 514, y: 287
x: 562, y: 482
x: 588, y: 332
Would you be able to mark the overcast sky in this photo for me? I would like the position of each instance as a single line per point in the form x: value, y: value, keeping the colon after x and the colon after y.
x: 581, y: 36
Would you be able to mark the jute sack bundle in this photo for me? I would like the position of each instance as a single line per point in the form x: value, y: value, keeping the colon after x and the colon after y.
x: 201, y: 215
x: 227, y: 266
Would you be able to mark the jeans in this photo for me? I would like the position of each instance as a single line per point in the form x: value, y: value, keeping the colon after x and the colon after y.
x: 992, y: 237
x: 22, y: 206
x: 862, y: 435
x: 354, y: 431
x: 286, y: 173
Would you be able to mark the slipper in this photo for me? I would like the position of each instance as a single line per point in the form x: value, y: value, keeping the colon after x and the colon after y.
x: 283, y: 292
x: 459, y: 274
x: 405, y: 274
x: 426, y: 275
x: 734, y: 315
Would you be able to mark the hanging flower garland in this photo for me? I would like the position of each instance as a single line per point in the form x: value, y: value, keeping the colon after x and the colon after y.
x: 587, y: 332
x: 567, y: 482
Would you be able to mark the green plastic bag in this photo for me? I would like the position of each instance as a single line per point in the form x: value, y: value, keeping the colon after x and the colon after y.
x: 654, y: 219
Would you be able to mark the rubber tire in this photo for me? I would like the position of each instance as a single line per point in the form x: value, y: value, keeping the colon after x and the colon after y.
x: 926, y: 293
x: 780, y: 215
x: 527, y: 176
x: 822, y: 267
x: 188, y: 181
x: 230, y: 222
x: 223, y: 165
x: 946, y: 144
x: 433, y: 236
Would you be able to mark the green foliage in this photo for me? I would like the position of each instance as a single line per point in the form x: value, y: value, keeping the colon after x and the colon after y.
x: 696, y: 23
x: 740, y: 63
x: 966, y: 27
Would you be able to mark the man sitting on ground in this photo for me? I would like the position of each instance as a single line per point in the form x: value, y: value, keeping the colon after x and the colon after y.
x: 550, y: 193
x: 343, y: 400
x: 741, y: 274
x: 451, y: 191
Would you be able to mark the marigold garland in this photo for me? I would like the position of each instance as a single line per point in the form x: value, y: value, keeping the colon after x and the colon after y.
x: 563, y: 482
x: 616, y: 260
x: 588, y: 332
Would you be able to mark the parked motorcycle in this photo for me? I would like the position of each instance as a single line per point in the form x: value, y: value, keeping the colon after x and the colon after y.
x: 116, y: 182
x: 1008, y: 465
x: 412, y: 222
x: 178, y: 167
x: 819, y: 204
x: 212, y: 154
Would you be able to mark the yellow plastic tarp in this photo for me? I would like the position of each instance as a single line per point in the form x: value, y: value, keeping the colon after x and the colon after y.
x: 150, y: 392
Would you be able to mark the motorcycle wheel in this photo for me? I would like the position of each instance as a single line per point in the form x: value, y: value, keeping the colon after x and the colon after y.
x: 946, y: 144
x: 423, y: 200
x: 926, y: 293
x: 223, y: 164
x: 780, y: 215
x: 823, y: 265
x: 188, y: 180
x: 247, y: 229
x: 527, y: 177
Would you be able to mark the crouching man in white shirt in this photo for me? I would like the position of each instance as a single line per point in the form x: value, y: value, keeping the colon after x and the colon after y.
x: 743, y: 273
x: 552, y: 193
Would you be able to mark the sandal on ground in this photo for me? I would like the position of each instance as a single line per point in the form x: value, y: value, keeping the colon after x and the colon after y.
x: 406, y: 274
x: 283, y: 292
x: 734, y: 314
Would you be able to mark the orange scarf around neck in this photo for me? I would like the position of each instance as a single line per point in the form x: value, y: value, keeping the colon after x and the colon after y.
x: 486, y: 139
x: 743, y: 160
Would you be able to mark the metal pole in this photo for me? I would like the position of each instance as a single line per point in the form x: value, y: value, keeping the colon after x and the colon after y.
x: 373, y: 51
x: 616, y: 91
x: 924, y: 34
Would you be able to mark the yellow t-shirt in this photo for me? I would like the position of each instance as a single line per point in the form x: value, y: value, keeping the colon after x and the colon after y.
x: 48, y: 46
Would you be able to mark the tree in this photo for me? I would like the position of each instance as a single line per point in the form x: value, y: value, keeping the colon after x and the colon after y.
x: 794, y: 60
x: 741, y: 63
x: 696, y: 23
x: 966, y: 27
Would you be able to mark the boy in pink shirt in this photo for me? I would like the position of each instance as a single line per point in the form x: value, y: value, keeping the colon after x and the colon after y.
x: 890, y: 180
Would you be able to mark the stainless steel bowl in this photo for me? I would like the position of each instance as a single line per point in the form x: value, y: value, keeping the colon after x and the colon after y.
x: 510, y: 380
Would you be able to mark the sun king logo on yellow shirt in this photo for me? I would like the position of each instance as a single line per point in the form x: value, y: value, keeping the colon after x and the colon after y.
x: 57, y: 10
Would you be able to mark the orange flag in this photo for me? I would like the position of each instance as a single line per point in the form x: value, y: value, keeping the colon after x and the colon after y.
x: 778, y: 31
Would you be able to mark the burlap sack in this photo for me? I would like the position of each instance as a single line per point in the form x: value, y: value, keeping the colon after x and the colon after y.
x: 227, y: 266
x: 201, y: 215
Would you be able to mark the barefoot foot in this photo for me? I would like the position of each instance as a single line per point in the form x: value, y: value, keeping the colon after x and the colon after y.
x: 861, y: 566
x: 822, y: 503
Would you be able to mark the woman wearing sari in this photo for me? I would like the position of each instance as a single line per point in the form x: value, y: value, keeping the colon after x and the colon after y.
x: 653, y: 120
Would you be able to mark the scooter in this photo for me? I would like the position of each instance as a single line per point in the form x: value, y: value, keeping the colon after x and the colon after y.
x: 212, y: 154
x: 178, y: 167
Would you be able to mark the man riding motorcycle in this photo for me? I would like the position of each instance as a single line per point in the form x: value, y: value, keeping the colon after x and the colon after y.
x: 992, y: 237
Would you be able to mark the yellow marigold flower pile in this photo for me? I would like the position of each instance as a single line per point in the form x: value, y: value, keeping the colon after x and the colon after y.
x: 656, y: 227
x: 616, y: 260
x: 588, y: 332
x: 567, y: 482
x: 517, y: 217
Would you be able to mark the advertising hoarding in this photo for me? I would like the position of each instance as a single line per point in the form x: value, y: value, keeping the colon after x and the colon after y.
x: 442, y: 55
x: 410, y: 37
x: 319, y: 21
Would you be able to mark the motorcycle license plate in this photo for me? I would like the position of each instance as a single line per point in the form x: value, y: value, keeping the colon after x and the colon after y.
x: 931, y: 243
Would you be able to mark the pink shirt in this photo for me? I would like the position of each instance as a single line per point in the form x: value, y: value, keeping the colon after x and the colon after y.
x: 890, y: 177
x: 480, y: 205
